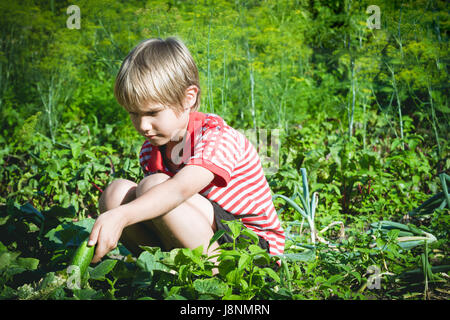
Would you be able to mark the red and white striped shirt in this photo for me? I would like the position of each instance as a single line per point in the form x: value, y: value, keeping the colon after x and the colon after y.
x: 239, y: 185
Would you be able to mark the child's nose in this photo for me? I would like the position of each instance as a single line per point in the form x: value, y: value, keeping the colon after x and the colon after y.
x: 145, y: 124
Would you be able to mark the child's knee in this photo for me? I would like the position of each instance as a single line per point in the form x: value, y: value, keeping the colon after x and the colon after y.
x: 149, y: 182
x: 118, y: 192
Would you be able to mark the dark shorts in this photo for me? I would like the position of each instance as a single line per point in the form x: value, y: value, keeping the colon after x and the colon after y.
x: 221, y: 214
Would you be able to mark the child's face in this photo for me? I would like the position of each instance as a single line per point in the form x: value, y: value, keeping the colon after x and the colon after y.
x: 159, y: 124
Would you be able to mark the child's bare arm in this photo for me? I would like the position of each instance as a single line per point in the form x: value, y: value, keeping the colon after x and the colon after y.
x: 158, y: 200
x: 167, y: 195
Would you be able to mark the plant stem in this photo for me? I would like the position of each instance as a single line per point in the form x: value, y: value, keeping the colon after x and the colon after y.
x: 381, y: 110
x: 424, y: 257
x: 209, y: 85
x: 364, y: 122
x: 252, y: 87
x: 433, y: 117
x: 224, y: 81
x: 351, y: 115
x: 394, y: 85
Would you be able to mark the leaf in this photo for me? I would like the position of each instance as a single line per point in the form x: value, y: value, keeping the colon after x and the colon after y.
x: 122, y: 271
x: 84, y: 294
x: 169, y: 259
x: 395, y: 143
x: 233, y: 297
x: 61, y: 212
x: 235, y: 227
x: 244, y: 284
x: 175, y: 297
x: 152, y: 250
x: 357, y: 275
x: 226, y: 265
x: 100, y: 271
x: 197, y: 252
x: 256, y: 250
x: 33, y: 212
x: 83, y: 186
x: 149, y: 263
x: 212, y: 286
x: 13, y: 264
x: 415, y: 230
x: 272, y: 274
x: 408, y: 245
x: 27, y: 263
x: 244, y: 260
x: 76, y: 149
x: 234, y: 276
x: 6, y: 258
x: 251, y: 234
x: 305, y: 188
x: 70, y: 233
x: 216, y: 237
x: 334, y: 152
x: 333, y: 279
x: 183, y: 272
x: 292, y: 203
x: 47, y: 281
x: 306, y: 256
x: 189, y: 256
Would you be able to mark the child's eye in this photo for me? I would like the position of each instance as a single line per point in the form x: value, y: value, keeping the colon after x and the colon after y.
x: 151, y: 113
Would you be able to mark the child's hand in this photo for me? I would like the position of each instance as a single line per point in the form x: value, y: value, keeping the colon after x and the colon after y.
x: 106, y: 232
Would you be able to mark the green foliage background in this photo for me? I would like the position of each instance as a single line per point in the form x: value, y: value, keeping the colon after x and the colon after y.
x: 365, y: 111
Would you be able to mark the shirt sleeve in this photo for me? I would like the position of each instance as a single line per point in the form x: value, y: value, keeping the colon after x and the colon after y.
x: 215, y: 150
x: 144, y: 158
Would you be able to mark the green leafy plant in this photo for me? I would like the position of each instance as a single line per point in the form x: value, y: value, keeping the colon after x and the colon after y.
x: 409, y: 236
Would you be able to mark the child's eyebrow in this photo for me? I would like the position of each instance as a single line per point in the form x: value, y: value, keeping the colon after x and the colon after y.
x: 153, y: 110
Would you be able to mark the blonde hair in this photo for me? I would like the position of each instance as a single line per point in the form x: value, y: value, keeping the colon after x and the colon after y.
x: 157, y: 71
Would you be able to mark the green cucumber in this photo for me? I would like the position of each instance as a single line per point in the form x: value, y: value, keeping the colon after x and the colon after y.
x: 83, y: 257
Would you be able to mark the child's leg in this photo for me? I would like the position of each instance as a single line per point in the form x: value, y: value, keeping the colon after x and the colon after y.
x: 189, y: 225
x: 119, y: 192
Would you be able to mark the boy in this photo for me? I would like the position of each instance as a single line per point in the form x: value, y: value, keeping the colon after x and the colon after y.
x: 198, y: 170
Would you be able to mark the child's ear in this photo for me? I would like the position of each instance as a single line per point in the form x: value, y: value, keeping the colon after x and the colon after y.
x: 190, y: 97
